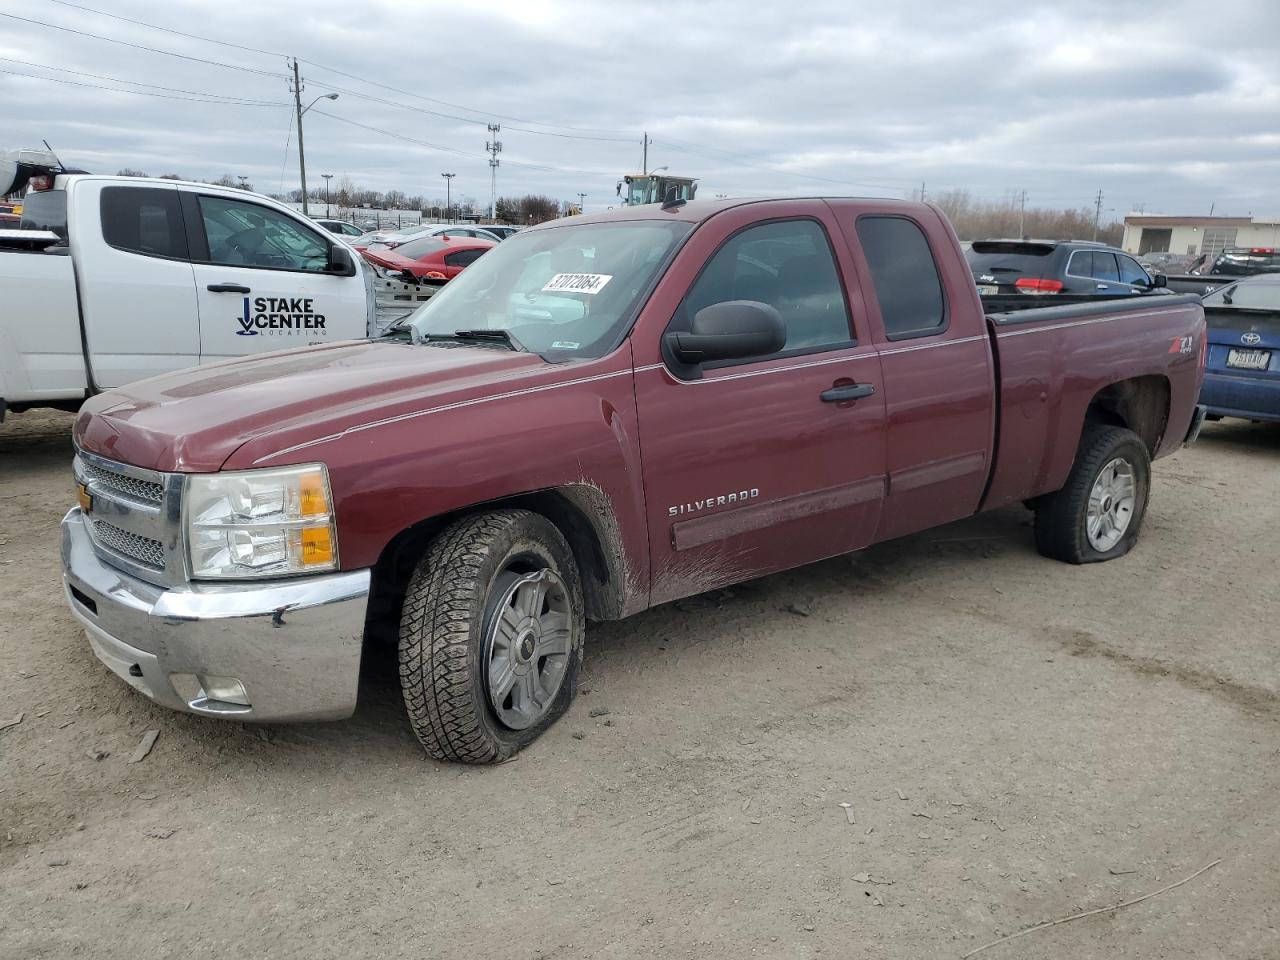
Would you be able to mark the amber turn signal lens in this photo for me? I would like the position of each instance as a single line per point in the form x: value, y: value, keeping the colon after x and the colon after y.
x: 317, y: 546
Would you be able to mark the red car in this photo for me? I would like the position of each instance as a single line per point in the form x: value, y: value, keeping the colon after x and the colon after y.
x: 438, y: 259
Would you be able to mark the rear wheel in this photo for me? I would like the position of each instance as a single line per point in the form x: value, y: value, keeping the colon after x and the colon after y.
x: 491, y: 636
x: 1097, y: 514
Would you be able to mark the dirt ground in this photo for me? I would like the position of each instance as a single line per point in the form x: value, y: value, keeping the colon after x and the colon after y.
x: 1018, y: 740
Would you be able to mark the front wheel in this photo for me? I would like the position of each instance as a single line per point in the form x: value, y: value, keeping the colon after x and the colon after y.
x: 1097, y: 514
x: 491, y: 636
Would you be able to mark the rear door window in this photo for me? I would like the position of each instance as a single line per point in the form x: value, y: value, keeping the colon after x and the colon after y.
x: 462, y: 258
x: 905, y: 275
x: 1104, y: 266
x: 145, y: 220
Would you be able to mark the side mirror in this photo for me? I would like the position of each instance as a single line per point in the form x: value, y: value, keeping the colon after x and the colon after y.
x: 1159, y: 280
x: 340, y: 262
x: 732, y: 330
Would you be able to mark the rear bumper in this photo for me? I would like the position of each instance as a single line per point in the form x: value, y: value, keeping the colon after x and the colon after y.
x: 1250, y: 397
x: 294, y: 645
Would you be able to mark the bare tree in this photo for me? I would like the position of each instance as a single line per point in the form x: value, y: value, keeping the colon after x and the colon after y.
x: 536, y: 209
x: 131, y: 172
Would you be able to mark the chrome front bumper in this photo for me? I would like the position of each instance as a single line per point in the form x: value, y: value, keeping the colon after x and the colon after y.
x: 294, y: 645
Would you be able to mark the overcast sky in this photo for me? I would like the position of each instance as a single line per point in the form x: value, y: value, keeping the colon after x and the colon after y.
x: 1172, y: 107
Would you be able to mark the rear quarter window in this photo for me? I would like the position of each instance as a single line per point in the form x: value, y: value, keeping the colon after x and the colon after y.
x: 907, y: 284
x: 145, y: 220
x: 45, y: 210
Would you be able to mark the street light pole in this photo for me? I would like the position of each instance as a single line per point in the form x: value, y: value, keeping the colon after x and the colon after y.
x: 327, y: 178
x: 297, y: 104
x: 448, y: 195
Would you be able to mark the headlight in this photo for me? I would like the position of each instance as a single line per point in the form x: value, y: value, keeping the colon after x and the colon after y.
x: 260, y: 523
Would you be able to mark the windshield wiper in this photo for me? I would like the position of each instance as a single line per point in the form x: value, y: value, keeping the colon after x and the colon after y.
x: 486, y: 335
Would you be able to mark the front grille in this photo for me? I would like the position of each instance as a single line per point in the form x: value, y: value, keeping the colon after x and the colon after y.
x: 143, y: 550
x: 144, y: 490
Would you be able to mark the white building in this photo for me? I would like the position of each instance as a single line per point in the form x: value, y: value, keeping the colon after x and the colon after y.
x: 1195, y: 235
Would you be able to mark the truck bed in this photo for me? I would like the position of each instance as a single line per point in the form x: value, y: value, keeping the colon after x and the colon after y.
x: 1154, y: 339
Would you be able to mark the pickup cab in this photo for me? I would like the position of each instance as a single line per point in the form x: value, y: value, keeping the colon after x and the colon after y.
x: 113, y: 279
x: 602, y: 414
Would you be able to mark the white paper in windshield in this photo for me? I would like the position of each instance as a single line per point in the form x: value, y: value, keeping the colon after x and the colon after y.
x: 577, y: 283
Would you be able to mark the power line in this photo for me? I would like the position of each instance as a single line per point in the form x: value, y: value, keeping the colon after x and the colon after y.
x: 178, y: 33
x: 436, y: 113
x: 139, y: 46
x: 145, y: 93
x: 459, y: 153
x: 238, y: 46
x: 135, y: 83
x: 484, y: 113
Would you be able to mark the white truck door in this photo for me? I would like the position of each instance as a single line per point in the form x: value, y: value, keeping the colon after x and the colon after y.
x: 265, y: 279
x: 137, y: 293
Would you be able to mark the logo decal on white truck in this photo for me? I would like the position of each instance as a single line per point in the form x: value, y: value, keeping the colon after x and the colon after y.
x: 278, y: 316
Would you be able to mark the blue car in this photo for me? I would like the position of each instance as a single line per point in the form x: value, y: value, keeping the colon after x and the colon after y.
x: 1242, y: 371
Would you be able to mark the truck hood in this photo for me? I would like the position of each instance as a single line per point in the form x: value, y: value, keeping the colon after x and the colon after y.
x: 193, y: 421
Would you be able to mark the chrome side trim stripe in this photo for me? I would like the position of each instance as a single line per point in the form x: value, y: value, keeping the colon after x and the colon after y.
x: 720, y: 526
x: 523, y: 391
x: 1001, y: 335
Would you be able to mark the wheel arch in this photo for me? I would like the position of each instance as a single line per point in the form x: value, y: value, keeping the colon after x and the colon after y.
x: 1140, y: 404
x: 580, y: 511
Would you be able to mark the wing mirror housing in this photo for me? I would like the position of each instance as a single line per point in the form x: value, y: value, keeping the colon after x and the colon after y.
x: 1159, y: 280
x: 340, y: 262
x: 732, y: 330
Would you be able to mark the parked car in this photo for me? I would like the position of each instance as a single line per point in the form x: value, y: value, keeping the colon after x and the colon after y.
x: 501, y: 230
x: 805, y: 377
x: 1246, y: 262
x: 1229, y: 266
x: 1243, y: 375
x: 113, y: 279
x: 430, y: 258
x: 396, y: 238
x: 342, y: 228
x: 1071, y: 267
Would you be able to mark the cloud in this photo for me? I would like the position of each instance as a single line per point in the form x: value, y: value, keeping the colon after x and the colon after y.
x: 814, y: 97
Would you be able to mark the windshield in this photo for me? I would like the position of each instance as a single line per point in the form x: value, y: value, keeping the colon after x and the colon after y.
x: 1257, y: 296
x: 565, y: 292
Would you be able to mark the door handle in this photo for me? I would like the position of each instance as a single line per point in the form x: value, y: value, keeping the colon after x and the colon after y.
x: 1102, y: 286
x: 227, y: 288
x: 847, y: 392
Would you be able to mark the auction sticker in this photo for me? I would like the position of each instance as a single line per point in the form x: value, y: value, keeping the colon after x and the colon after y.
x: 577, y: 283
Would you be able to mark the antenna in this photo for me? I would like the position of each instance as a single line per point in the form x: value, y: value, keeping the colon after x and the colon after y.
x: 61, y: 165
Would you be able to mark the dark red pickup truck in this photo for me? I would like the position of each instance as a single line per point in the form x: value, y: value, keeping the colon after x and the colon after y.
x: 602, y: 414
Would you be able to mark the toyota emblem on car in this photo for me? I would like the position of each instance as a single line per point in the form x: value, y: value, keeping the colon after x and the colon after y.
x: 1250, y: 339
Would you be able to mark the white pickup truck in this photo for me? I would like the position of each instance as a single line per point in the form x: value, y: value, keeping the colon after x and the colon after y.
x: 113, y: 279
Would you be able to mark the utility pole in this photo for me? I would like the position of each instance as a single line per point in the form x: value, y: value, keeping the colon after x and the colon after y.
x: 1097, y: 214
x: 297, y: 105
x: 922, y: 191
x: 494, y: 147
x: 644, y: 154
x: 1022, y: 213
x: 448, y: 195
x: 327, y: 178
x: 302, y: 155
x: 582, y: 200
